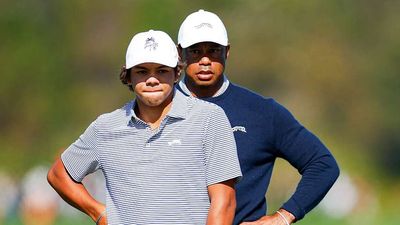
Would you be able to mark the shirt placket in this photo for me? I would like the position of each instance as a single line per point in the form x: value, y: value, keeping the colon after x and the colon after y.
x: 150, y: 134
x: 146, y: 133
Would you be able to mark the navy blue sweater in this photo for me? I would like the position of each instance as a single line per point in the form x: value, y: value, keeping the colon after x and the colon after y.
x: 265, y: 130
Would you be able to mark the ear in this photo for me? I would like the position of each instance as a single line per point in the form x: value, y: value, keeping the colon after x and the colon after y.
x: 128, y: 77
x: 125, y: 76
x: 228, y: 47
x: 180, y: 51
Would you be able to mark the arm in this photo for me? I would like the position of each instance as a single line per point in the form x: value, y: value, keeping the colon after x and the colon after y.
x: 222, y: 203
x: 222, y: 168
x: 304, y: 151
x: 310, y: 157
x: 74, y: 193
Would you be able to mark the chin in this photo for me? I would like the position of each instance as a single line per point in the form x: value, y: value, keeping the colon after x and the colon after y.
x: 204, y: 83
x: 154, y: 102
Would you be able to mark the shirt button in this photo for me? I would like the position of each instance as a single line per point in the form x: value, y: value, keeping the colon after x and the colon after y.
x: 147, y: 144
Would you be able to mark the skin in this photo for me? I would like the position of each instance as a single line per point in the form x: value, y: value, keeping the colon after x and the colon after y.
x: 74, y: 193
x: 274, y: 219
x: 153, y: 84
x: 205, y: 65
x: 222, y: 203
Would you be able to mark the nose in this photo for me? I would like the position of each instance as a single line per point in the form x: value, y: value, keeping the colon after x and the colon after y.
x: 152, y: 81
x: 205, y: 60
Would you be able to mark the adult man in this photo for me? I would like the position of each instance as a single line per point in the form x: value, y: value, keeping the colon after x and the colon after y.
x: 263, y: 129
x: 166, y: 158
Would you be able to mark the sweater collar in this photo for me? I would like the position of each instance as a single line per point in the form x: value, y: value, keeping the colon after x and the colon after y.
x: 221, y: 90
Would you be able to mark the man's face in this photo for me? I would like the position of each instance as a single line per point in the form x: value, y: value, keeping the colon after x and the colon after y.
x: 205, y: 63
x: 153, y: 83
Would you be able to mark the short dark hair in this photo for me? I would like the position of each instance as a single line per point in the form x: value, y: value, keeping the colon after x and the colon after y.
x: 124, y: 77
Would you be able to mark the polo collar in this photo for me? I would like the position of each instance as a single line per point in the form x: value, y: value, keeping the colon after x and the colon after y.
x: 178, y: 109
x: 130, y: 115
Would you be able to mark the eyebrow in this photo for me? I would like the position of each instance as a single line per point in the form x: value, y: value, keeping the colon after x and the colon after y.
x: 145, y: 68
x: 213, y: 45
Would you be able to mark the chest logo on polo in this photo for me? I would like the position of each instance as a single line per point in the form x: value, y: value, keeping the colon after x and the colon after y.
x: 239, y: 128
x: 175, y: 142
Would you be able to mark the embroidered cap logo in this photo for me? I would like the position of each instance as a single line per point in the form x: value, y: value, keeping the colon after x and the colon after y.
x: 150, y: 44
x: 203, y: 25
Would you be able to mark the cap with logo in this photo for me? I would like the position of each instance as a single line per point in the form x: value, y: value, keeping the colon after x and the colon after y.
x: 202, y: 26
x: 151, y: 47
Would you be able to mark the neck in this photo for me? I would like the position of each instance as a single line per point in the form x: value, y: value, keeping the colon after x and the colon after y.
x: 203, y: 91
x: 153, y: 115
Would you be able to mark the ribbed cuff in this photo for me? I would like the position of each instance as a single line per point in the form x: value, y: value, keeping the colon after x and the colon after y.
x: 292, y: 207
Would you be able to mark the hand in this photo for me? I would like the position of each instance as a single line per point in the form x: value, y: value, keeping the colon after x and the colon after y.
x: 267, y: 220
x: 274, y: 219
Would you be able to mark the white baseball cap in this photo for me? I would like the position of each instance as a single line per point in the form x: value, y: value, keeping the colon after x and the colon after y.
x: 151, y: 47
x: 202, y: 26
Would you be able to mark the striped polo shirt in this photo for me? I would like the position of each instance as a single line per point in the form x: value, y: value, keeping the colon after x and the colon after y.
x: 157, y: 176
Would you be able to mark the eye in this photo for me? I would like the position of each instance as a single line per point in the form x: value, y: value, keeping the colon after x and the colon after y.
x: 215, y: 50
x: 162, y: 71
x: 141, y: 72
x: 194, y: 51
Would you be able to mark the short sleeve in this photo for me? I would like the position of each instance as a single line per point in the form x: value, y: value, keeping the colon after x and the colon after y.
x: 220, y: 147
x: 81, y: 157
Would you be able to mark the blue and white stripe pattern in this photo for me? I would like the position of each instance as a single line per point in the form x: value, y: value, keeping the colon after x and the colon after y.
x: 157, y: 176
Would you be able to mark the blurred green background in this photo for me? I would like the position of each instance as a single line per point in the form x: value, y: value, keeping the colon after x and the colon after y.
x: 333, y: 64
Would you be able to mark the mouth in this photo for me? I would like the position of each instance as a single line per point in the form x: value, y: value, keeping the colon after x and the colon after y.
x: 152, y: 91
x: 205, y: 75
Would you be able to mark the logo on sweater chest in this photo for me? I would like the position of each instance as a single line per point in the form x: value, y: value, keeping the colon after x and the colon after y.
x: 239, y: 128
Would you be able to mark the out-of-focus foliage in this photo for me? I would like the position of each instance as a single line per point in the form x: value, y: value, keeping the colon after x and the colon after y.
x: 334, y: 64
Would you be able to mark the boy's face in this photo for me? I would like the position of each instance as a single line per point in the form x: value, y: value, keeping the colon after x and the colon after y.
x: 153, y: 83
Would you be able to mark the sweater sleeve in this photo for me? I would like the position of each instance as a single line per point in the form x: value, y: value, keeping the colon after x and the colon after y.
x: 309, y: 156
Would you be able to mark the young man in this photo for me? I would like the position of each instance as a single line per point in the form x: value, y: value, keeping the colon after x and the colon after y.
x: 263, y: 129
x: 167, y: 158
